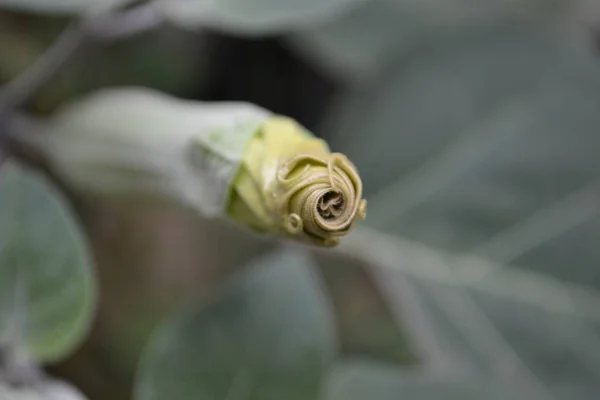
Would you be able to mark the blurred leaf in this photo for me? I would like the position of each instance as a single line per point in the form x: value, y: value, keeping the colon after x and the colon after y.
x: 366, y: 324
x: 167, y: 260
x: 561, y: 240
x: 532, y: 331
x: 359, y: 44
x: 47, y: 390
x: 460, y: 12
x: 255, y: 17
x: 473, y: 135
x: 360, y: 381
x: 471, y: 272
x: 538, y: 352
x: 60, y: 6
x: 561, y: 349
x: 269, y: 337
x: 516, y: 327
x: 46, y: 278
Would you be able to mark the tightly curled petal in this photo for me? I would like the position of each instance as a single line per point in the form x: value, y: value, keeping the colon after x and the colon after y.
x: 321, y: 196
x: 295, y: 186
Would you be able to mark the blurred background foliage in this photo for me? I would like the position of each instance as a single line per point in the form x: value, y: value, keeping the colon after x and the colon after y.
x: 476, y: 128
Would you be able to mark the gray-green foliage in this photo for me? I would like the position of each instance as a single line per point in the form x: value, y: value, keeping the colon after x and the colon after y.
x: 475, y: 131
x: 45, y: 390
x: 359, y: 44
x: 249, y: 17
x: 359, y: 381
x: 255, y: 17
x: 267, y: 337
x: 356, y: 45
x: 486, y: 142
x: 436, y: 118
x: 47, y: 290
x: 61, y: 6
x: 476, y: 134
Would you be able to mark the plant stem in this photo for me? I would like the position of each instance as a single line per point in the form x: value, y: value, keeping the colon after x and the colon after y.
x: 100, y: 27
x: 19, y: 90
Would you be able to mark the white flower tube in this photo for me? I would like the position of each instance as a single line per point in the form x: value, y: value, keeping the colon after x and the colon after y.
x: 235, y: 160
x: 142, y: 144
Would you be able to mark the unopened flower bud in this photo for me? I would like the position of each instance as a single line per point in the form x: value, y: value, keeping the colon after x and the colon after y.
x: 235, y: 160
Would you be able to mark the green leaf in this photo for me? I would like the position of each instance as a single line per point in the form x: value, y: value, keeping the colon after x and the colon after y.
x: 46, y: 390
x: 255, y: 17
x: 47, y: 290
x: 474, y: 137
x: 560, y: 349
x: 462, y: 11
x: 360, y: 381
x: 367, y: 325
x: 60, y: 6
x: 359, y: 44
x: 567, y: 360
x: 486, y: 142
x: 269, y: 337
x: 531, y: 331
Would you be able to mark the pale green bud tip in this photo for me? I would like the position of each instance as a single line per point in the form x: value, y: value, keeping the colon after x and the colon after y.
x: 291, y: 184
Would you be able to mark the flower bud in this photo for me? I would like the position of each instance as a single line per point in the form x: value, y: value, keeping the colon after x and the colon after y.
x: 140, y: 145
x: 289, y: 183
x: 233, y: 160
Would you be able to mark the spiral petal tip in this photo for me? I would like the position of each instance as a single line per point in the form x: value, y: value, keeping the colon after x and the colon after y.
x: 291, y: 184
x: 362, y: 209
x: 323, y: 193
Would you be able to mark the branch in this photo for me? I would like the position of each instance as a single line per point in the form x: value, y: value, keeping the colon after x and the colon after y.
x: 104, y: 27
x: 126, y: 24
x: 19, y: 90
